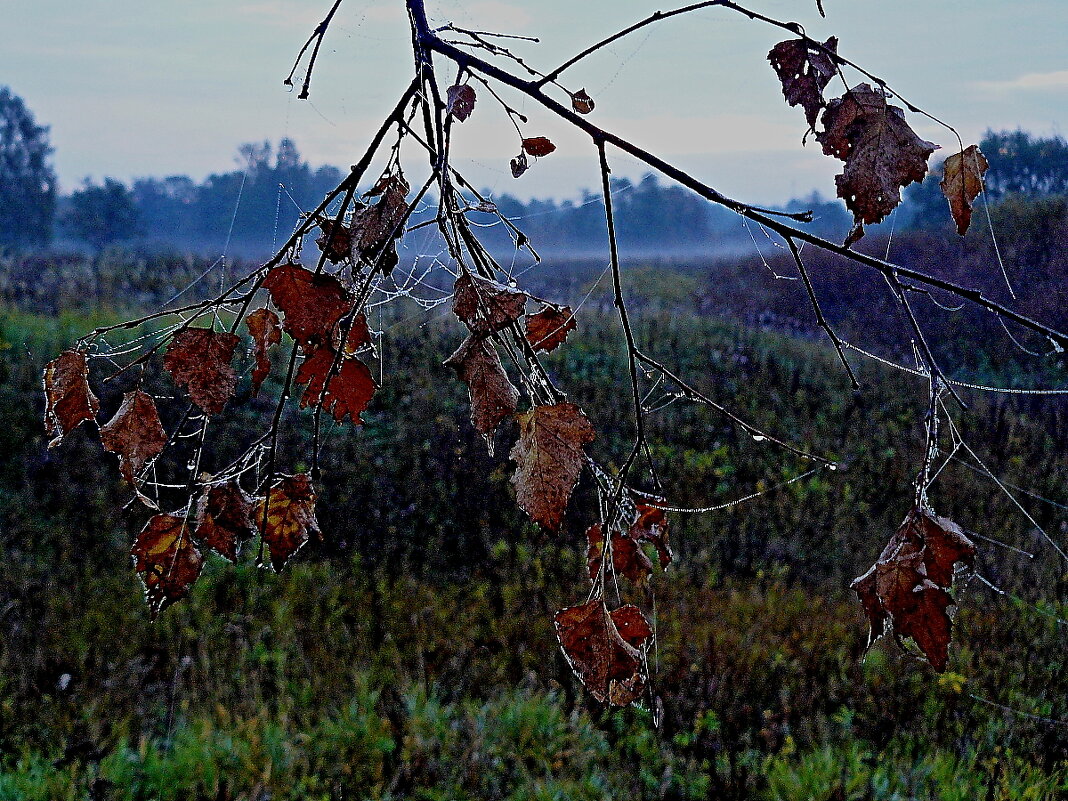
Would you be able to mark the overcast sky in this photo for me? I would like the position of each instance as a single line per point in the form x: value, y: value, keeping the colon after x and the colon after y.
x: 135, y: 87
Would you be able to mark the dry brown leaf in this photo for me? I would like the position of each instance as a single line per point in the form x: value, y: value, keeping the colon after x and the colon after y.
x: 519, y: 165
x: 609, y: 666
x: 68, y: 400
x: 538, y: 146
x: 881, y: 152
x: 628, y: 558
x: 311, y: 304
x: 652, y: 526
x: 548, y: 327
x: 804, y: 71
x: 290, y: 518
x: 486, y: 306
x: 335, y: 242
x: 359, y: 336
x: 377, y: 226
x: 461, y: 101
x: 135, y: 433
x: 906, y: 590
x: 224, y: 518
x: 167, y: 560
x: 493, y: 397
x: 199, y: 360
x: 346, y: 394
x: 266, y: 332
x: 962, y: 181
x: 549, y: 456
x: 582, y: 102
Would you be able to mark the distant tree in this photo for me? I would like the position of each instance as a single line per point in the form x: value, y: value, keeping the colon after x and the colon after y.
x: 27, y: 180
x: 1025, y: 164
x: 104, y: 214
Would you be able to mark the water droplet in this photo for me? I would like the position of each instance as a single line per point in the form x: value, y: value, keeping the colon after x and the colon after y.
x: 759, y: 438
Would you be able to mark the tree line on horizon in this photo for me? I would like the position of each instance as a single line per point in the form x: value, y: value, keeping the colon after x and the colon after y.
x: 245, y: 212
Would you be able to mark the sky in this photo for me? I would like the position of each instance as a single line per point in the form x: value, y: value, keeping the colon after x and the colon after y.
x: 133, y: 88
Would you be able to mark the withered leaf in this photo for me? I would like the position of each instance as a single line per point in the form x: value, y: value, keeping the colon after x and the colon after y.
x: 336, y: 240
x: 609, y: 666
x: 549, y: 457
x: 348, y: 391
x: 376, y: 226
x: 359, y: 336
x: 962, y: 181
x: 311, y: 304
x: 199, y: 360
x: 486, y: 306
x: 548, y: 327
x: 135, y: 433
x: 461, y: 101
x: 167, y: 559
x: 881, y: 152
x: 907, y: 590
x: 266, y: 332
x: 519, y: 165
x: 290, y: 518
x: 632, y: 625
x: 538, y: 146
x: 628, y: 559
x: 652, y: 525
x: 804, y: 71
x: 68, y: 400
x: 582, y: 102
x: 224, y: 518
x: 493, y: 397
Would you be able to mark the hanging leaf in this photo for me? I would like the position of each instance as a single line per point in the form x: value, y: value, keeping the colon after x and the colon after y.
x: 906, y: 590
x: 68, y: 400
x: 290, y: 518
x: 486, y: 306
x: 519, y: 165
x: 224, y: 519
x: 549, y: 457
x: 804, y: 71
x: 311, y: 304
x: 377, y: 226
x: 548, y: 328
x: 266, y: 332
x: 135, y: 433
x: 962, y: 181
x: 628, y: 559
x: 538, y: 146
x: 348, y: 391
x: 167, y: 559
x: 493, y: 397
x: 461, y: 101
x: 609, y: 664
x: 881, y: 152
x: 199, y: 360
x: 652, y: 526
x: 335, y: 242
x: 582, y: 102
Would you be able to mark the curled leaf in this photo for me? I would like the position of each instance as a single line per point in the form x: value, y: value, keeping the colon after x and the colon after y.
x: 311, y: 303
x: 493, y: 397
x: 651, y: 525
x: 461, y: 101
x: 628, y: 559
x: 962, y: 181
x: 804, y: 70
x: 199, y: 360
x: 377, y: 226
x: 345, y: 393
x: 135, y: 434
x: 224, y: 518
x: 582, y: 102
x: 335, y: 242
x: 519, y: 165
x: 359, y: 336
x: 291, y: 522
x: 266, y: 332
x: 548, y: 328
x: 549, y: 456
x: 538, y: 146
x: 881, y: 152
x: 68, y: 400
x: 484, y: 305
x: 167, y: 560
x: 608, y: 662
